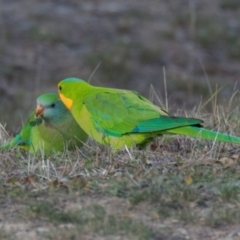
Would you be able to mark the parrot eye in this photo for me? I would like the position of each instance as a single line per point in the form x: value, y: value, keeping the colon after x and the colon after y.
x: 60, y: 88
x: 53, y: 105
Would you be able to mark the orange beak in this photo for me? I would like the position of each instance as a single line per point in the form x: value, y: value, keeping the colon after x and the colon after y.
x: 39, y: 110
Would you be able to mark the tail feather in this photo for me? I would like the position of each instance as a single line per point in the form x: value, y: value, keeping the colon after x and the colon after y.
x: 14, y: 143
x: 8, y: 145
x: 202, y: 133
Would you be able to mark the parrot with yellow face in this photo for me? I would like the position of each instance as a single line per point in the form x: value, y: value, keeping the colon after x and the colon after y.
x: 121, y: 118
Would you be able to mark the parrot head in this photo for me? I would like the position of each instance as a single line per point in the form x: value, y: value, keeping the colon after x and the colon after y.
x: 49, y: 107
x: 66, y: 90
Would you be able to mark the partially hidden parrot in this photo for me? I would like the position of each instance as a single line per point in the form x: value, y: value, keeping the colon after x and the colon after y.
x: 125, y: 118
x: 50, y: 128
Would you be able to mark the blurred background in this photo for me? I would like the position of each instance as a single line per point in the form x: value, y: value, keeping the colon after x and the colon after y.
x: 194, y: 45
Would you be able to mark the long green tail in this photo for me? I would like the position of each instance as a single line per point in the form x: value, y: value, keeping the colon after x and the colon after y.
x: 204, y: 134
x: 8, y: 145
x: 15, y: 142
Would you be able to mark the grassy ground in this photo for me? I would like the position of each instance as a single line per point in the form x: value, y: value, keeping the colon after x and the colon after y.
x: 177, y: 188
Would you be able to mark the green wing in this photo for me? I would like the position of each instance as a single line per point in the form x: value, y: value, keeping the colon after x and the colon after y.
x: 128, y: 112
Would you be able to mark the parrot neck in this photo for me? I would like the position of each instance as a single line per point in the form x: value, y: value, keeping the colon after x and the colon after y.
x: 89, y: 90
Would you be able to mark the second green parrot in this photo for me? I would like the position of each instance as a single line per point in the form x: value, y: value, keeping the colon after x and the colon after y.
x: 122, y: 117
x: 50, y: 128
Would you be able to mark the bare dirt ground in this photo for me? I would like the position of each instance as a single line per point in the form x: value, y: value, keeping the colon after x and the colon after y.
x: 186, y: 190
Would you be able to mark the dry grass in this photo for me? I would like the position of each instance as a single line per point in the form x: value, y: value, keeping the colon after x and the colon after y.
x: 175, y: 187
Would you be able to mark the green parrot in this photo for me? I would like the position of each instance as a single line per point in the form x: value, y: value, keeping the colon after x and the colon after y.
x: 50, y: 128
x: 121, y: 117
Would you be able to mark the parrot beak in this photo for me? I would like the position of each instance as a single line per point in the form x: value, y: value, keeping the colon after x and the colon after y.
x: 39, y: 110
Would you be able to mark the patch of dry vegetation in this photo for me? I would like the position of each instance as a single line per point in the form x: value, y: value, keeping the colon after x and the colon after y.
x: 176, y: 187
